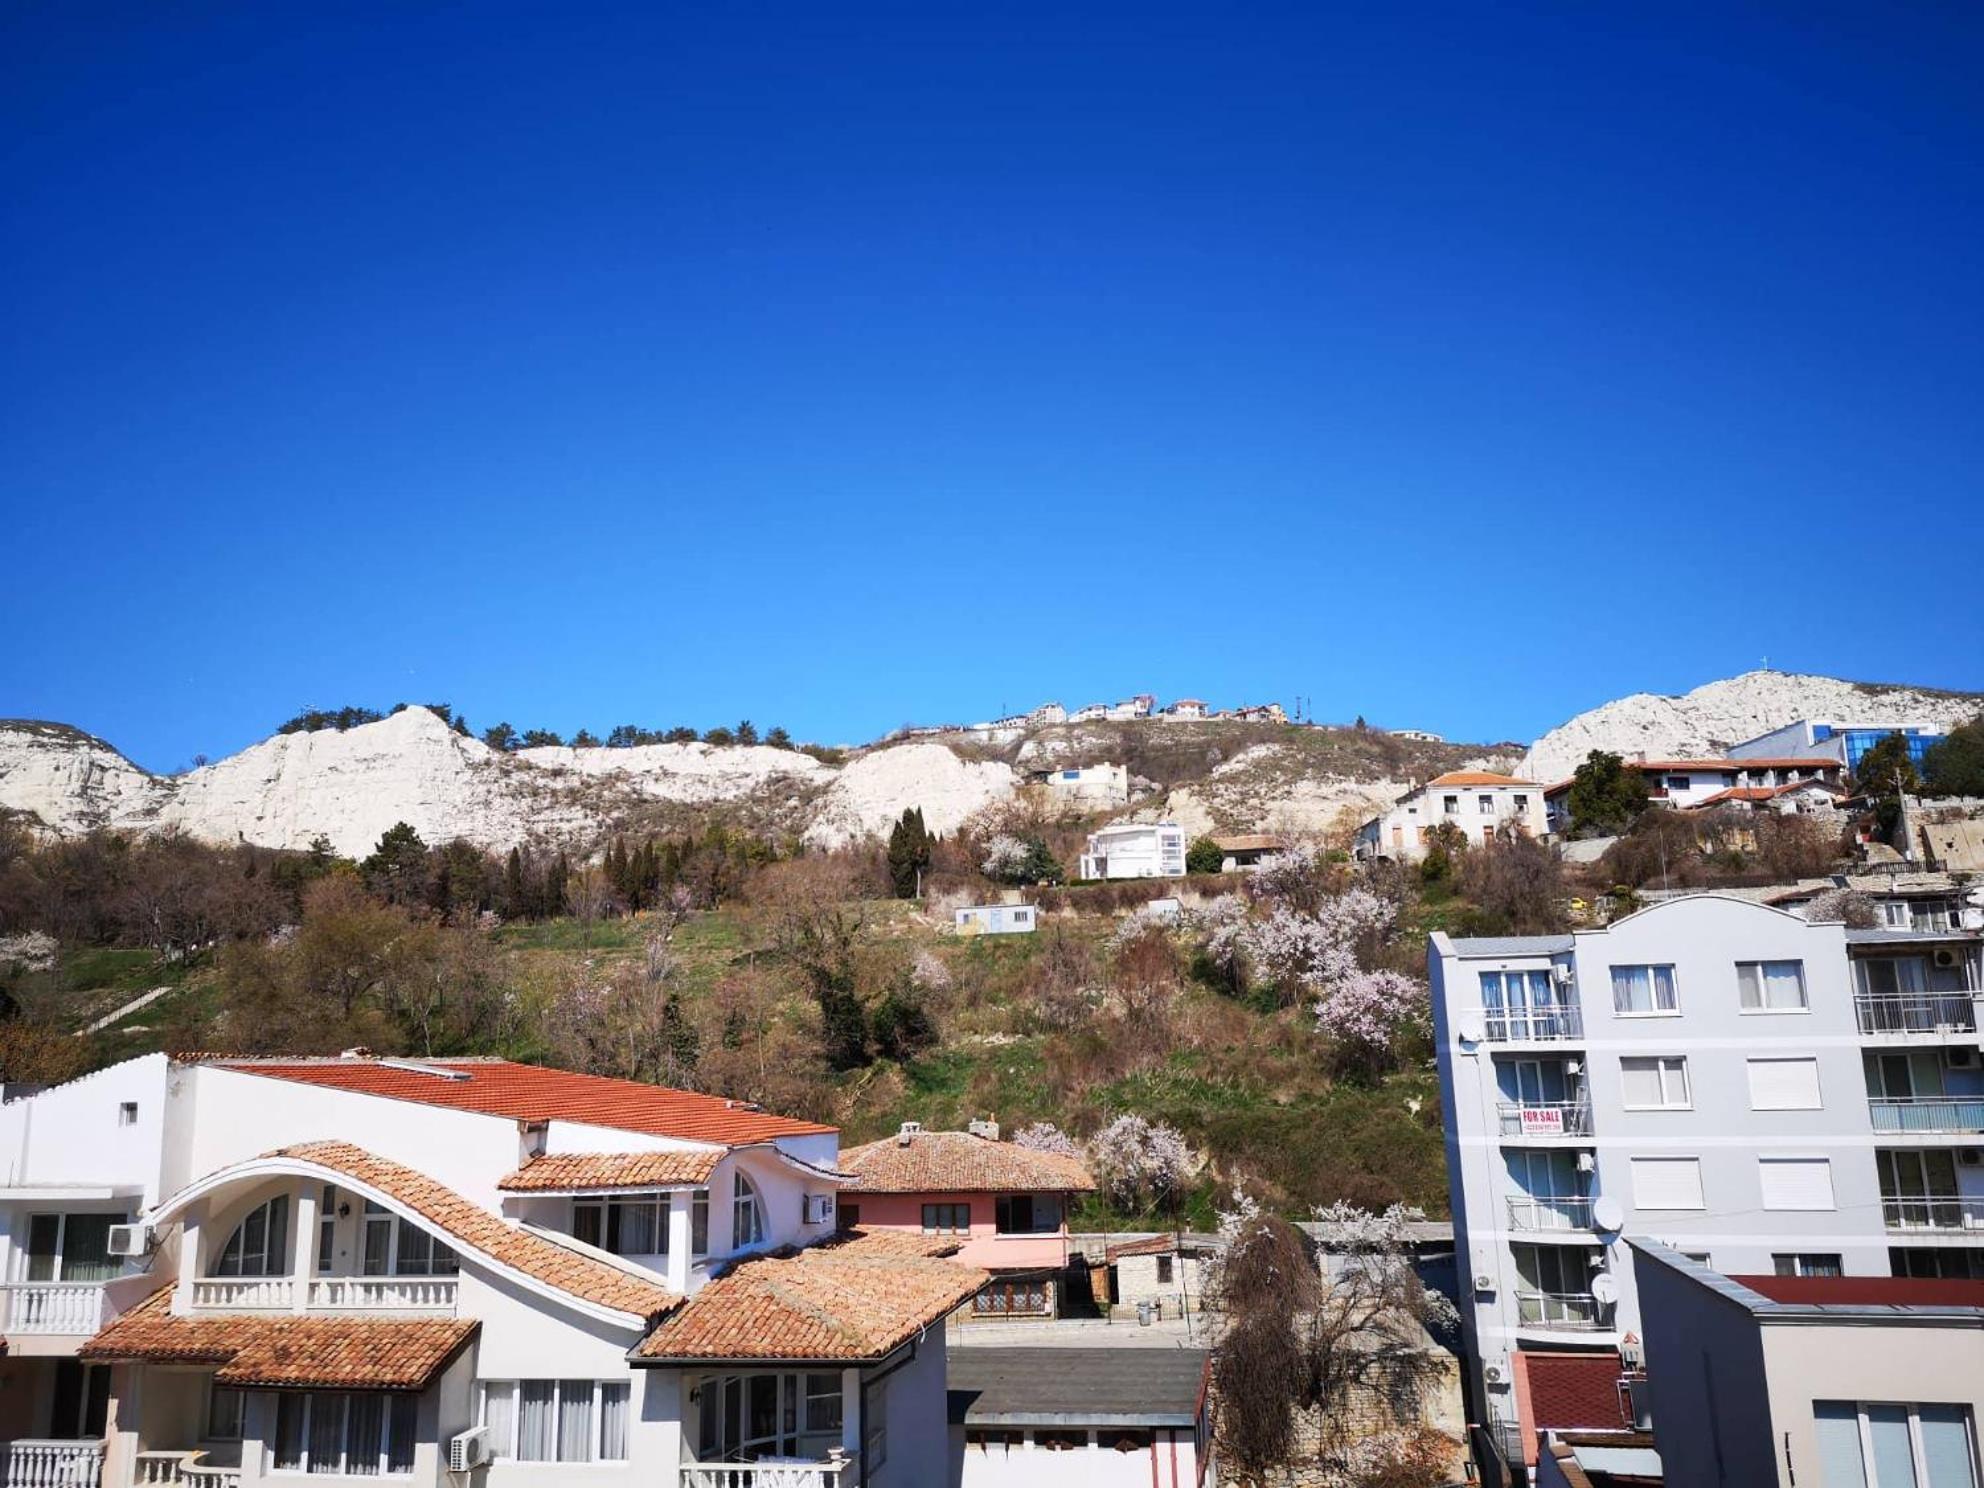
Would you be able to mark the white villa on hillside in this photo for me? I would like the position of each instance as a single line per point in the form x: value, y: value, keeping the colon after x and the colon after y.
x: 1135, y: 850
x: 226, y: 1272
x: 1477, y: 804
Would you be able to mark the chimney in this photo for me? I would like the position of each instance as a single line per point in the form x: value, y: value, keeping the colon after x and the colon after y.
x: 987, y: 1128
x: 908, y: 1132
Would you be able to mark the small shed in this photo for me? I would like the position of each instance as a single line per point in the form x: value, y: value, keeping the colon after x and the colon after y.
x: 997, y: 919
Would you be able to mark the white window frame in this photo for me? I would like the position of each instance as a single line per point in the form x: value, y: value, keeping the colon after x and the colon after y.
x: 312, y: 1401
x: 277, y: 1264
x: 506, y: 1450
x: 373, y: 1213
x: 1919, y: 1461
x: 606, y: 1204
x: 1654, y: 1010
x: 1667, y: 1069
x: 60, y: 1257
x: 747, y: 1212
x: 1760, y: 973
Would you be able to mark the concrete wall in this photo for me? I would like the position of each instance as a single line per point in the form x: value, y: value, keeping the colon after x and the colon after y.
x: 1705, y: 1365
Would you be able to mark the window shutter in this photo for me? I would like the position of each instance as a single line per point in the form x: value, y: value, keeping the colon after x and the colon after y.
x: 1784, y: 1085
x: 1667, y: 1183
x: 1796, y: 1182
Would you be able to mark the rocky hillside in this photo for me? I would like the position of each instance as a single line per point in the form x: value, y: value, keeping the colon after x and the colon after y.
x: 1719, y: 714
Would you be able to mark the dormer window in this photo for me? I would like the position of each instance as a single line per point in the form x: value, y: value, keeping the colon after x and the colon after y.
x: 259, y: 1245
x: 626, y: 1224
x: 747, y: 1215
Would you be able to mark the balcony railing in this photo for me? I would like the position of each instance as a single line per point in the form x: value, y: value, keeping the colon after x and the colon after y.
x: 1930, y: 1114
x: 768, y: 1473
x: 1917, y: 1215
x: 52, y: 1464
x: 1916, y: 1012
x: 1570, y: 1311
x: 1545, y: 1118
x: 188, y: 1469
x: 1550, y: 1214
x: 74, y: 1307
x: 327, y: 1293
x: 1533, y: 1025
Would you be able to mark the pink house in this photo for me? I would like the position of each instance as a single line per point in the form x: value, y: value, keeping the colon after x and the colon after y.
x: 1008, y: 1204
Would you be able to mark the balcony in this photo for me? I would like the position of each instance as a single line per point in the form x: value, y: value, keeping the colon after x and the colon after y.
x: 1929, y: 1115
x: 422, y: 1294
x: 1916, y: 1012
x: 188, y: 1469
x: 1562, y: 1216
x: 1545, y: 1118
x: 1569, y: 1312
x: 1503, y: 1025
x: 1930, y: 1216
x: 52, y: 1464
x: 63, y: 1307
x: 779, y: 1472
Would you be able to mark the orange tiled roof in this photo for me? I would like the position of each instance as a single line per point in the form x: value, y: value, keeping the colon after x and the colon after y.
x: 1476, y: 777
x: 1766, y: 792
x: 527, y: 1092
x: 565, y: 1172
x: 1249, y: 842
x: 1733, y: 764
x: 957, y: 1162
x: 476, y: 1229
x: 853, y: 1299
x: 297, y: 1353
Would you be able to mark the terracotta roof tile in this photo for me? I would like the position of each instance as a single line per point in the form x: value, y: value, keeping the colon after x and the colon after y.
x: 853, y: 1299
x: 1476, y: 777
x: 291, y: 1352
x: 527, y: 1092
x: 474, y: 1228
x: 957, y: 1162
x: 567, y: 1172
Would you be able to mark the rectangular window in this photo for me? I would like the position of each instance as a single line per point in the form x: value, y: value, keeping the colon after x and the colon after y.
x: 1484, y: 805
x: 627, y: 1225
x: 1654, y: 1083
x: 398, y: 1247
x: 1027, y: 1214
x: 947, y: 1219
x: 1796, y: 1182
x: 556, y: 1420
x: 127, y: 1113
x: 1864, y: 1443
x: 223, y: 1414
x: 327, y: 1229
x: 699, y: 1222
x: 1806, y: 1264
x: 328, y: 1433
x: 1667, y: 1183
x: 72, y: 1247
x: 1644, y: 990
x: 1771, y: 986
x: 1164, y: 1270
x: 1450, y: 805
x: 1784, y: 1084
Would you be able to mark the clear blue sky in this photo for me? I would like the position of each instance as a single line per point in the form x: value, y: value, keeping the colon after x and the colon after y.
x: 836, y: 365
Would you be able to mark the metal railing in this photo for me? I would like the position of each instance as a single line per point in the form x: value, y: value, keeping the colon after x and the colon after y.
x: 385, y: 1293
x: 1545, y: 1118
x: 1532, y: 1025
x: 775, y: 1473
x: 52, y: 1464
x: 1927, y: 1113
x: 1916, y: 1012
x: 54, y: 1307
x: 1914, y: 1215
x: 1550, y: 1214
x: 1571, y: 1311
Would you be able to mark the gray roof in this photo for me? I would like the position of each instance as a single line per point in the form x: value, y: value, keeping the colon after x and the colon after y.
x: 1882, y: 936
x: 1417, y: 1231
x: 1511, y: 945
x: 991, y: 1386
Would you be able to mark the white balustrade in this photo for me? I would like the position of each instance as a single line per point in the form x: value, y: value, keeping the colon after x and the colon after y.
x: 244, y: 1293
x: 385, y: 1293
x: 774, y: 1473
x: 53, y: 1464
x: 54, y: 1307
x: 163, y: 1467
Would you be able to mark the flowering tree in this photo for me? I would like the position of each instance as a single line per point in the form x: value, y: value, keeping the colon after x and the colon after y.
x: 1005, y: 857
x: 1140, y: 1164
x: 1367, y: 1007
x: 31, y: 950
x: 1045, y: 1136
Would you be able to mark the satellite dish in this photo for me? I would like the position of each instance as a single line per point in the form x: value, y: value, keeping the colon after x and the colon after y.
x: 1605, y: 1288
x: 1472, y: 1030
x: 1607, y: 1213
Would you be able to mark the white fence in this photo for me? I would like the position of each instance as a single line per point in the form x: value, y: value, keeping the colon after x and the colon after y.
x: 53, y: 1464
x: 54, y: 1307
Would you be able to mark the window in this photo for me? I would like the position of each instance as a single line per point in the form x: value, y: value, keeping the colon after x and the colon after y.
x: 1678, y: 782
x: 1654, y: 1083
x: 80, y: 1404
x: 1895, y: 913
x: 850, y: 1215
x: 556, y: 1420
x: 699, y: 1222
x: 1862, y: 1444
x: 747, y: 1215
x: 627, y: 1225
x: 399, y: 1247
x: 1667, y: 1183
x: 1784, y: 1084
x: 1802, y: 1264
x: 1026, y: 1214
x: 127, y: 1113
x: 947, y: 1219
x: 1164, y: 1270
x: 72, y: 1247
x: 259, y: 1245
x: 1771, y: 986
x: 1643, y: 990
x: 223, y: 1414
x: 1484, y: 805
x: 1450, y: 805
x: 361, y: 1435
x: 1522, y: 803
x: 327, y: 1229
x: 1796, y: 1182
x: 875, y: 1432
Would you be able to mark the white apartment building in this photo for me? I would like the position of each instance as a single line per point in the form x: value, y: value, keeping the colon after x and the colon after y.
x: 1134, y: 850
x: 1476, y: 803
x: 237, y: 1271
x: 1752, y: 1089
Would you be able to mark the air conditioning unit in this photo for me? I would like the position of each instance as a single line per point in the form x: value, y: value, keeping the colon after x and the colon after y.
x: 1963, y: 1056
x: 130, y: 1240
x: 1494, y: 1374
x: 819, y: 1209
x: 1970, y: 1157
x: 468, y: 1449
x: 1484, y: 1281
x: 1562, y: 975
x: 1947, y: 957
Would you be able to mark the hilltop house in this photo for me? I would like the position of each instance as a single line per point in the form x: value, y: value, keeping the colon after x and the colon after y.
x: 1135, y: 850
x: 1085, y: 787
x: 223, y: 1272
x: 1475, y: 803
x: 1768, y: 782
x: 1186, y: 709
x: 1131, y: 709
x: 1004, y: 1206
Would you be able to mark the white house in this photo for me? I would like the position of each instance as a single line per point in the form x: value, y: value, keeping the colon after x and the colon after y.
x: 1089, y: 713
x: 1769, y: 782
x: 1188, y: 708
x: 996, y: 919
x: 231, y: 1271
x: 1135, y: 850
x: 1131, y: 709
x: 1048, y: 713
x: 1087, y: 786
x: 1476, y: 803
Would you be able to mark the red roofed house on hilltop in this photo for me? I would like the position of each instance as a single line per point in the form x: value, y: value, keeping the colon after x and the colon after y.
x: 1006, y: 1206
x: 222, y: 1272
x: 1476, y: 803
